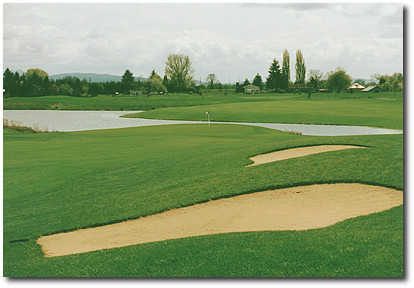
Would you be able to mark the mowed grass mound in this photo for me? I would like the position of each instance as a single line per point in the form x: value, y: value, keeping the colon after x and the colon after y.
x: 384, y: 110
x: 57, y: 182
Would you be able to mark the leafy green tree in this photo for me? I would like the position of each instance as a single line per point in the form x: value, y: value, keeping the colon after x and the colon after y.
x: 65, y: 89
x: 33, y: 85
x: 53, y: 90
x: 211, y: 80
x: 39, y: 72
x: 257, y: 81
x: 315, y: 79
x: 111, y: 87
x: 84, y: 88
x: 274, y: 79
x: 285, y: 70
x: 338, y: 80
x: 75, y: 84
x: 38, y: 83
x: 300, y: 68
x: 155, y: 84
x: 179, y: 72
x: 246, y: 82
x: 392, y: 82
x: 127, y: 81
x: 95, y: 89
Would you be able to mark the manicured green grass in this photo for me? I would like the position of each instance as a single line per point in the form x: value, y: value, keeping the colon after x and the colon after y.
x: 383, y: 110
x: 129, y: 102
x: 209, y: 97
x: 63, y: 181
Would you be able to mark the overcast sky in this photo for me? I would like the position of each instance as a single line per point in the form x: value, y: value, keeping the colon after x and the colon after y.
x: 234, y: 41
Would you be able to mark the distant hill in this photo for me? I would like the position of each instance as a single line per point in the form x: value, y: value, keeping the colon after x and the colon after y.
x: 93, y: 77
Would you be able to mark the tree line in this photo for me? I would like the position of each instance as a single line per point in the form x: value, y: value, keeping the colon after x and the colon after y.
x: 36, y: 82
x: 278, y: 79
x: 178, y: 77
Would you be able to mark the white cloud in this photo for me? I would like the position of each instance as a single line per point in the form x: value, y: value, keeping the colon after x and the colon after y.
x: 232, y: 41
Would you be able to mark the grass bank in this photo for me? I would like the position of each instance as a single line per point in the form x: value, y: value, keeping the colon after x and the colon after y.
x: 132, y: 102
x: 384, y: 110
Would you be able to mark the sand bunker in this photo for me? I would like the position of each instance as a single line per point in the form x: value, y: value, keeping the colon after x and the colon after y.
x: 297, y: 152
x: 297, y: 208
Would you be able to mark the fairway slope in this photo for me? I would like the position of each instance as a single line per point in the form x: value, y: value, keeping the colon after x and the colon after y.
x: 296, y: 208
x: 297, y: 152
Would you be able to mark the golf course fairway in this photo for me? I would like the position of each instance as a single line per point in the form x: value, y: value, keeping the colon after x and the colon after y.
x: 62, y: 182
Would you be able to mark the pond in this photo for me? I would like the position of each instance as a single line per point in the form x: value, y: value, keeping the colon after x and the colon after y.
x: 66, y: 121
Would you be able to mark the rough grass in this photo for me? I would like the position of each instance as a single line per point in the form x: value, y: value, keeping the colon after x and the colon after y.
x: 64, y: 181
x: 10, y: 126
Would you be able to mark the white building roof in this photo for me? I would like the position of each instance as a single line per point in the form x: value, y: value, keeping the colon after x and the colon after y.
x: 369, y: 88
x: 356, y: 86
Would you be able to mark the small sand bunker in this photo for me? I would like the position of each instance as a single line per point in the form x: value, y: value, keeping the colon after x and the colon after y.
x: 296, y: 208
x: 297, y: 152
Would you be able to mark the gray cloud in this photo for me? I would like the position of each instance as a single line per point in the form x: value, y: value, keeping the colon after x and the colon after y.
x: 294, y: 6
x: 307, y: 6
x: 233, y: 41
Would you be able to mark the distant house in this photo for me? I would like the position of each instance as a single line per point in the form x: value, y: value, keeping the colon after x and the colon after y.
x: 251, y: 89
x: 371, y: 89
x: 356, y: 87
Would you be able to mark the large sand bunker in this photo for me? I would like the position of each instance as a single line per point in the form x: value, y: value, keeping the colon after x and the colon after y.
x: 297, y: 152
x: 297, y: 208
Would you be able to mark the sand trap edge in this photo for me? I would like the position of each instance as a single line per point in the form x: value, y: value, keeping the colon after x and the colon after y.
x: 296, y: 152
x: 295, y: 208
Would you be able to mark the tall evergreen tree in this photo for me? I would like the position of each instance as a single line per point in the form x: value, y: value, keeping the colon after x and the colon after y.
x: 257, y: 81
x: 9, y: 83
x: 19, y: 81
x: 300, y: 68
x: 273, y: 81
x: 285, y: 70
x: 127, y: 81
